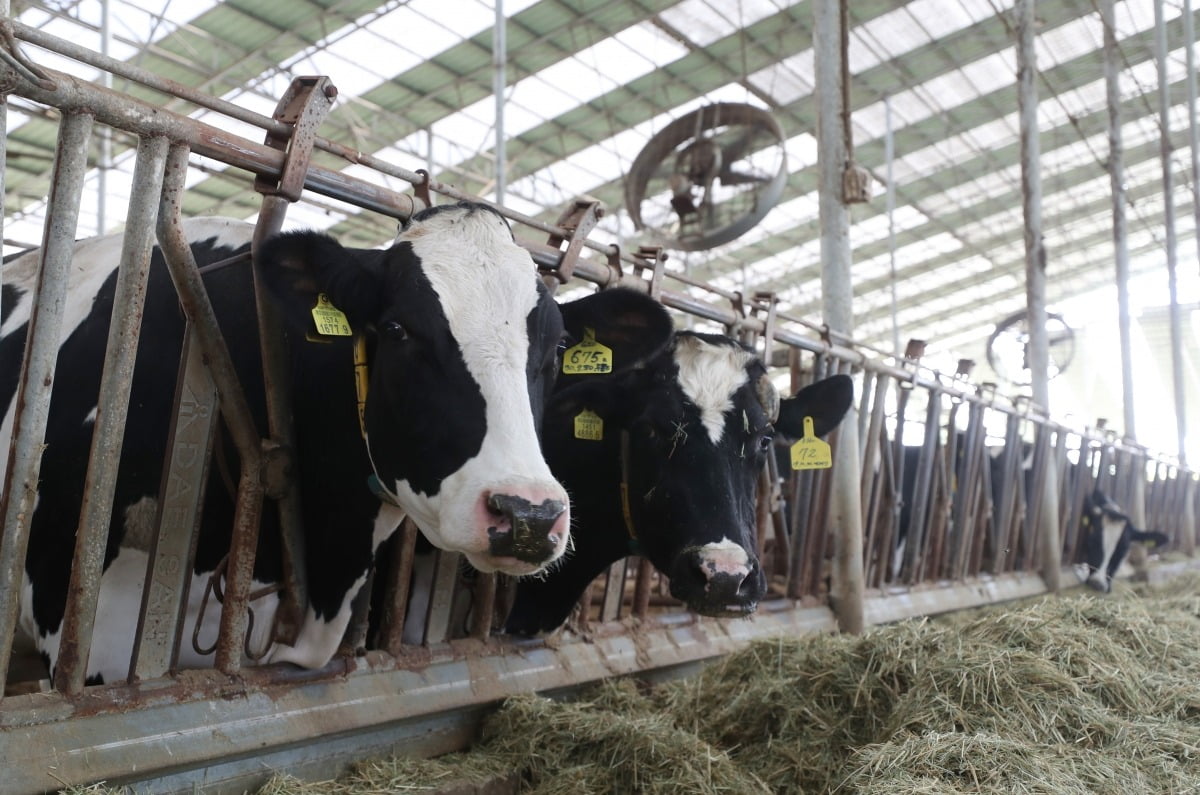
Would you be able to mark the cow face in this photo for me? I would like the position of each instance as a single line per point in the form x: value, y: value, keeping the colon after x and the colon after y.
x: 1108, y: 534
x: 688, y: 430
x: 461, y: 338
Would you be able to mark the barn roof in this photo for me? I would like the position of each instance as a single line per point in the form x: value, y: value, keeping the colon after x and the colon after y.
x: 589, y: 82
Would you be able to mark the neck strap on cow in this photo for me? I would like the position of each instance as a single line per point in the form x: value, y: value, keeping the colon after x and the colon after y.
x: 362, y: 378
x: 627, y: 514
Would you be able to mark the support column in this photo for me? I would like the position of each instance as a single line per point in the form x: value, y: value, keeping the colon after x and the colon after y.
x: 499, y: 83
x: 1164, y: 122
x: 845, y: 506
x: 1116, y: 175
x: 1035, y: 278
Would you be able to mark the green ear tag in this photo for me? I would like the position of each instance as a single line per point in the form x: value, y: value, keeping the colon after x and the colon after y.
x: 589, y: 425
x: 811, y: 452
x: 329, y: 319
x: 588, y: 357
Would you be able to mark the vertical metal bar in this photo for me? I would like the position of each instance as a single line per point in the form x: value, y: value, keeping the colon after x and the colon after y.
x: 917, y: 524
x: 614, y: 592
x: 1168, y: 176
x: 845, y: 509
x: 499, y: 84
x: 1035, y: 266
x: 32, y: 404
x: 235, y: 411
x: 441, y: 598
x: 181, y: 494
x: 483, y: 605
x: 1189, y: 38
x: 112, y: 409
x: 1116, y: 176
x: 104, y: 160
x: 889, y: 156
x: 396, y: 603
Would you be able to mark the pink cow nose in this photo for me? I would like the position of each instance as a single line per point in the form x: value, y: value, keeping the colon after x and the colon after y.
x: 523, y: 530
x: 713, y: 583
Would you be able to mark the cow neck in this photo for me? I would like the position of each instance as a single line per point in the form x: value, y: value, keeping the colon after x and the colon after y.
x: 362, y: 378
x: 626, y: 514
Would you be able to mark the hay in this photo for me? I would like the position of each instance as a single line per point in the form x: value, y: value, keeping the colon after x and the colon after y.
x: 1075, y: 694
x: 614, y: 741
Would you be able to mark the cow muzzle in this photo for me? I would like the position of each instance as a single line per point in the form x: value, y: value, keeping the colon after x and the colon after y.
x: 523, y: 530
x: 718, y: 580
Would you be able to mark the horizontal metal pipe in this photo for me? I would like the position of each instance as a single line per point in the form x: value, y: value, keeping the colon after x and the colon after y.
x: 72, y: 95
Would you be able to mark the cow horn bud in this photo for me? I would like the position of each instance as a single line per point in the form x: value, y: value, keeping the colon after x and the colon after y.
x: 768, y: 396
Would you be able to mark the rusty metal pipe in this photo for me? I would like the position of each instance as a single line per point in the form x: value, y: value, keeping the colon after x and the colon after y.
x: 112, y: 410
x: 32, y: 404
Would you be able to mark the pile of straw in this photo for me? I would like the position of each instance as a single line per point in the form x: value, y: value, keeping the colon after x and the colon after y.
x: 1069, y: 694
x: 1075, y: 694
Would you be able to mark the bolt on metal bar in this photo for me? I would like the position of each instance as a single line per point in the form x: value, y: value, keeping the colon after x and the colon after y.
x: 112, y: 410
x: 32, y: 405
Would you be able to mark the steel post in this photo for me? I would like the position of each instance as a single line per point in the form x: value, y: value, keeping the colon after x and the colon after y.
x: 845, y: 506
x: 32, y: 405
x: 112, y: 409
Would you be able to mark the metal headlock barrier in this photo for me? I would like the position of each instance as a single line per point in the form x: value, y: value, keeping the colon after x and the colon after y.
x: 964, y: 533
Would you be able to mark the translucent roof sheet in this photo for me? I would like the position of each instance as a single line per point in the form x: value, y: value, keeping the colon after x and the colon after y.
x: 589, y: 82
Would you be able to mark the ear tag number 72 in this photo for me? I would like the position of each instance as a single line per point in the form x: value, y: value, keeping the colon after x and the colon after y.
x: 809, y: 452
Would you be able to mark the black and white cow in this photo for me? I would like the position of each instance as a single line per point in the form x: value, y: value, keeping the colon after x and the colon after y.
x: 687, y: 420
x: 1108, y: 534
x: 462, y: 340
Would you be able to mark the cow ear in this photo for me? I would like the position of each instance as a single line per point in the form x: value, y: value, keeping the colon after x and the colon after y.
x: 297, y: 267
x: 632, y: 324
x: 826, y: 401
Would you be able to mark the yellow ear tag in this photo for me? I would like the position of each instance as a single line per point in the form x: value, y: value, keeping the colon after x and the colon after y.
x: 329, y: 319
x: 589, y: 425
x: 588, y: 357
x: 810, y: 452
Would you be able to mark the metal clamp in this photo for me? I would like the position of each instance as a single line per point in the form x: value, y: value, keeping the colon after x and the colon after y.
x: 766, y: 300
x: 578, y: 221
x: 304, y: 106
x: 650, y: 258
x: 11, y: 54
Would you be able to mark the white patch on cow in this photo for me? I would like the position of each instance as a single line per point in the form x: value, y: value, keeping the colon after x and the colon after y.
x: 486, y: 286
x: 121, y: 597
x: 724, y: 557
x: 709, y: 376
x: 1111, y: 529
x: 90, y: 419
x: 139, y: 524
x: 93, y: 262
x: 319, y: 639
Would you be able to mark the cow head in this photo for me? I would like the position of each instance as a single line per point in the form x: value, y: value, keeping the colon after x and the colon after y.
x: 690, y: 425
x: 461, y: 338
x: 1108, y: 534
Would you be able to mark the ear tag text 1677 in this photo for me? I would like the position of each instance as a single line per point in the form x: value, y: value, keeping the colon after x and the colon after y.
x: 589, y: 425
x: 810, y: 452
x: 330, y: 320
x: 588, y: 357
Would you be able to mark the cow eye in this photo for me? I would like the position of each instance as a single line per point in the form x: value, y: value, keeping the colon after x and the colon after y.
x: 394, y: 331
x: 764, y: 442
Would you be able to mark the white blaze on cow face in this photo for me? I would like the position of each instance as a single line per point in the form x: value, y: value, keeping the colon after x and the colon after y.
x: 487, y: 287
x: 709, y: 376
